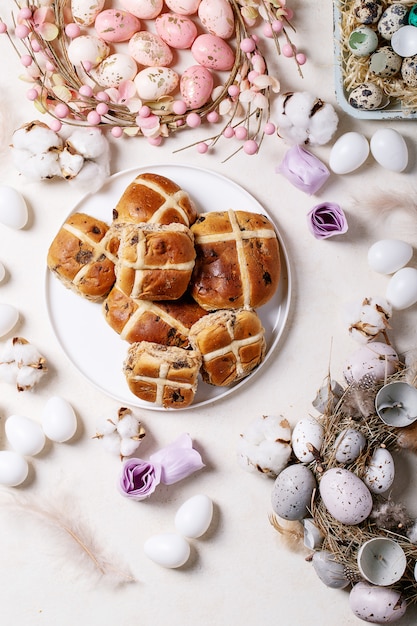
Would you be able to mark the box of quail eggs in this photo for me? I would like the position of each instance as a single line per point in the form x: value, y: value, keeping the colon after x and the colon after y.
x: 376, y: 58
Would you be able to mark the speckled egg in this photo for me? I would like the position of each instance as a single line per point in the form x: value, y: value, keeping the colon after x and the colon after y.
x: 392, y: 19
x: 380, y: 472
x: 143, y: 9
x: 292, y: 492
x: 385, y: 63
x: 178, y: 31
x: 307, y: 433
x: 345, y: 496
x: 85, y: 11
x: 116, y: 25
x: 376, y: 604
x: 183, y: 7
x: 348, y: 445
x: 196, y: 85
x: 375, y: 359
x: 217, y: 17
x: 362, y: 41
x: 368, y: 11
x: 115, y: 69
x: 154, y: 82
x: 213, y: 52
x: 409, y: 71
x: 366, y: 96
x: 87, y: 48
x: 150, y: 50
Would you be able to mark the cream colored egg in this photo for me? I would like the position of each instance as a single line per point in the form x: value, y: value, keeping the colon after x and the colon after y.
x: 307, y: 433
x: 154, y: 82
x: 87, y: 48
x: 194, y: 516
x: 24, y: 435
x: 85, y: 11
x: 348, y: 445
x: 167, y: 549
x: 380, y: 472
x: 150, y: 50
x: 13, y: 208
x: 14, y: 468
x: 59, y: 421
x: 9, y: 316
x: 143, y: 9
x: 115, y: 69
x: 217, y: 17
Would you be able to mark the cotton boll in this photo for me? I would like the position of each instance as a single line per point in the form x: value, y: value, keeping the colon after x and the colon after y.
x: 303, y: 118
x: 36, y: 166
x: 22, y: 364
x: 91, y: 176
x: 323, y: 125
x: 121, y: 433
x: 37, y: 138
x: 89, y: 142
x: 70, y: 164
x: 265, y: 446
x: 368, y: 318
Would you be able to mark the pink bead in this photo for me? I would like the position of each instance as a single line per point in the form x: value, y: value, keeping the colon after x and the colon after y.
x: 86, y: 91
x: 26, y: 60
x: 61, y: 110
x: 213, y: 117
x: 269, y: 128
x: 50, y: 66
x: 202, y: 147
x: 193, y: 120
x: 93, y: 118
x: 24, y: 14
x: 102, y: 108
x: 117, y: 132
x: 287, y: 50
x: 233, y: 91
x: 277, y: 26
x: 87, y: 65
x: 21, y: 31
x: 228, y: 132
x: 300, y: 58
x: 241, y: 133
x: 72, y: 30
x: 252, y: 76
x: 179, y: 107
x: 3, y: 28
x: 36, y: 46
x: 102, y: 96
x: 144, y: 111
x: 267, y: 29
x: 250, y: 147
x: 179, y: 123
x: 155, y: 141
x: 247, y: 44
x: 55, y: 125
x: 32, y: 94
x: 289, y: 13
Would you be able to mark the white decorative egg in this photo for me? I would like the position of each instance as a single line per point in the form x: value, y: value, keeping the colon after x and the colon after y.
x: 196, y: 86
x: 330, y: 571
x: 404, y: 41
x: 292, y: 492
x: 376, y: 604
x: 217, y: 17
x: 194, y: 516
x: 13, y: 468
x: 389, y: 148
x: 307, y: 432
x: 401, y: 290
x: 345, y: 496
x: 143, y: 9
x: 183, y: 7
x: 58, y: 420
x: 380, y: 472
x: 9, y: 316
x: 389, y: 255
x: 150, y: 50
x: 376, y: 359
x: 85, y: 11
x: 167, y: 549
x: 87, y: 49
x: 348, y: 153
x: 154, y: 82
x: 115, y: 69
x: 24, y: 435
x: 348, y: 445
x: 13, y: 208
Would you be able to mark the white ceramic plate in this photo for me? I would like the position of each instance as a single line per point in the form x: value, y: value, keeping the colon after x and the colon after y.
x: 93, y: 346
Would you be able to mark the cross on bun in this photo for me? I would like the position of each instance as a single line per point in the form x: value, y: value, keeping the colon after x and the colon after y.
x: 164, y: 375
x: 154, y: 198
x: 238, y: 261
x: 232, y: 345
x: 81, y: 257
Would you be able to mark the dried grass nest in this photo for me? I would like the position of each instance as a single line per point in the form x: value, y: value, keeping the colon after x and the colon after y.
x: 355, y: 70
x: 356, y: 409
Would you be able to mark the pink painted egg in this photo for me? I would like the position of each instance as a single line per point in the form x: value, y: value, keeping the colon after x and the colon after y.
x: 217, y: 17
x: 183, y: 7
x: 114, y: 70
x: 150, y: 50
x: 213, y: 52
x: 154, y: 82
x: 196, y: 85
x: 143, y: 9
x: 178, y: 31
x: 115, y: 25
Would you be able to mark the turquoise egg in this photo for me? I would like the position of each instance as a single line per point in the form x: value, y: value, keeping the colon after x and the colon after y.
x: 412, y: 16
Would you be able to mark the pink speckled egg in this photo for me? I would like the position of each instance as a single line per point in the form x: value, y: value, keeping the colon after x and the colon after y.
x: 150, y: 50
x: 178, y: 31
x: 115, y: 25
x: 196, y: 85
x: 217, y: 17
x: 183, y: 7
x: 154, y: 82
x: 213, y: 52
x: 143, y: 9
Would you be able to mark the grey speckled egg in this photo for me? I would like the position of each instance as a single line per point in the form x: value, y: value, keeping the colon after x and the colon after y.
x: 366, y: 96
x: 392, y: 19
x: 292, y: 492
x: 368, y: 11
x: 385, y: 62
x: 362, y: 41
x: 409, y: 71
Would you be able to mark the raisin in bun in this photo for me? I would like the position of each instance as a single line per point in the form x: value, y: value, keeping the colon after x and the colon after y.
x: 238, y: 260
x: 164, y: 375
x: 81, y: 257
x: 155, y: 262
x: 232, y: 345
x: 154, y: 198
x: 166, y: 322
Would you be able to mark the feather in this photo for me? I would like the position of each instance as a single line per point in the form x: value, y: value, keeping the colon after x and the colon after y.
x: 382, y: 204
x: 359, y: 398
x: 82, y: 541
x: 292, y: 532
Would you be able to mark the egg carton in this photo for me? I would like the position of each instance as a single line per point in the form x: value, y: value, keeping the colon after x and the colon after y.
x: 392, y: 111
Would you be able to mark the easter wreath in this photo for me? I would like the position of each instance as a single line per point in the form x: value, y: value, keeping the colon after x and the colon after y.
x: 72, y: 95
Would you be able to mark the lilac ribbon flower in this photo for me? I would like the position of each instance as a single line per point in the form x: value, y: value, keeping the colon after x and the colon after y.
x: 177, y: 460
x: 139, y: 478
x: 304, y: 170
x: 326, y: 220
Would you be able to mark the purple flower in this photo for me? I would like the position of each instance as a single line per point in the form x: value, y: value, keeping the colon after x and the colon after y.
x: 177, y: 460
x: 326, y: 220
x: 304, y: 170
x: 139, y: 478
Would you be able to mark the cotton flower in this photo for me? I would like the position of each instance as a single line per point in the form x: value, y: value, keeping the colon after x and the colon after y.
x: 21, y: 364
x: 368, y: 318
x: 265, y: 446
x: 122, y: 434
x: 304, y: 119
